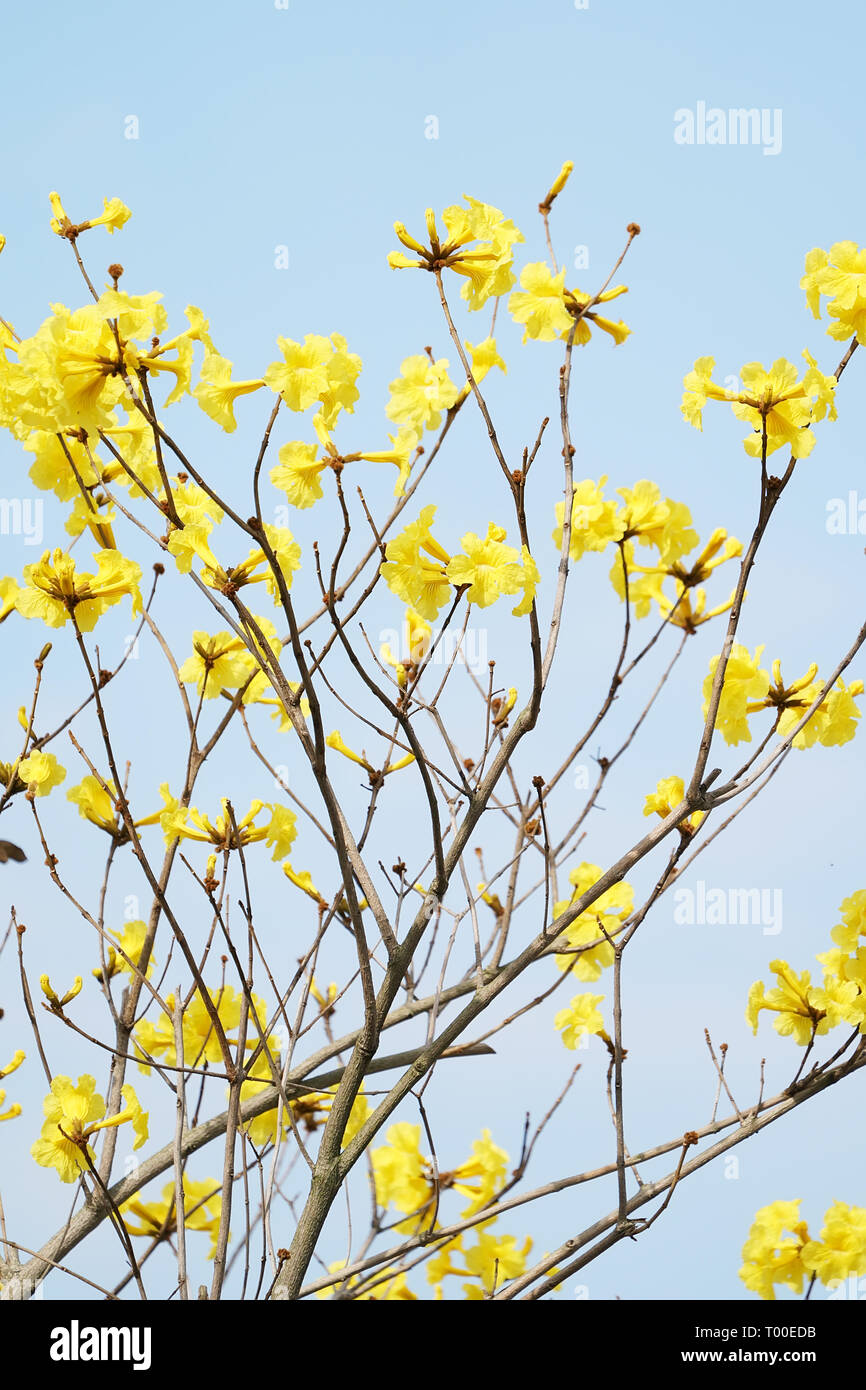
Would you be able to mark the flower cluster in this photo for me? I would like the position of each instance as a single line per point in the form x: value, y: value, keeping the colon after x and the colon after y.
x: 779, y: 1249
x: 805, y: 1011
x: 747, y: 689
x: 425, y: 576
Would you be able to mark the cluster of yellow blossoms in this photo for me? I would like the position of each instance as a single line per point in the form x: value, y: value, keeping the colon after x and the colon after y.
x: 202, y: 1210
x: 805, y: 1011
x: 406, y: 1180
x: 747, y: 689
x: 647, y: 520
x: 426, y: 577
x: 779, y: 1249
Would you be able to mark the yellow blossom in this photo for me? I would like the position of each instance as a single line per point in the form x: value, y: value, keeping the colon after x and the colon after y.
x: 42, y: 772
x: 202, y: 1206
x: 72, y: 1115
x: 420, y: 393
x: 593, y: 521
x: 56, y: 591
x: 581, y: 1018
x: 770, y: 1256
x: 216, y: 393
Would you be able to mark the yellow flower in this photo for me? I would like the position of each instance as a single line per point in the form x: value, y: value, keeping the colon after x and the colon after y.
x: 188, y: 823
x: 772, y: 400
x: 548, y: 310
x: 402, y: 1174
x: 488, y: 567
x: 834, y: 722
x: 745, y: 681
x: 841, y: 1250
x: 56, y: 591
x: 484, y: 358
x: 580, y: 1018
x: 420, y: 393
x: 840, y: 275
x: 771, y: 1257
x: 609, y: 910
x: 667, y: 796
x: 302, y: 377
x: 540, y: 304
x: 665, y: 525
x: 298, y: 473
x: 14, y: 1110
x: 487, y: 267
x: 42, y: 772
x: 482, y: 1175
x: 115, y: 216
x: 593, y: 521
x: 342, y: 369
x: 56, y: 1002
x: 72, y: 1115
x: 403, y: 453
x: 216, y: 393
x: 131, y: 942
x: 95, y: 804
x: 495, y: 1260
x: 202, y: 1206
x: 805, y: 1011
x: 303, y: 881
x: 418, y: 635
x: 415, y: 567
x: 223, y: 661
x: 200, y: 1042
x: 335, y: 740
x: 17, y: 1059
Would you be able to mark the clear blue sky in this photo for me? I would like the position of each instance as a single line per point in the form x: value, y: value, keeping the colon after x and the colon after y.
x: 305, y: 127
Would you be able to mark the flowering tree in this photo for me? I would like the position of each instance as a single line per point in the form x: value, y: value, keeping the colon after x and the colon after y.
x: 269, y: 1111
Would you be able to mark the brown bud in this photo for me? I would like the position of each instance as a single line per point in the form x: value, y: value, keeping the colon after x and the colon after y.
x: 633, y: 229
x: 115, y: 270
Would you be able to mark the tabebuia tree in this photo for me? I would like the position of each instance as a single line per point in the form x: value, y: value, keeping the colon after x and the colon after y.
x: 356, y: 865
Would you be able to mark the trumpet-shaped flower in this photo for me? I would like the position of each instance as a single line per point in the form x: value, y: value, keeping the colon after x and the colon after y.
x: 580, y: 1019
x: 298, y: 473
x: 42, y: 772
x: 594, y: 522
x: 805, y: 1011
x: 841, y: 1250
x: 840, y: 276
x: 216, y: 393
x: 667, y: 796
x: 591, y: 950
x: 202, y: 1209
x: 56, y: 591
x: 773, y: 401
x: 73, y: 1114
x: 745, y: 682
x: 420, y: 393
x: 488, y: 567
x: 415, y: 567
x: 770, y: 1255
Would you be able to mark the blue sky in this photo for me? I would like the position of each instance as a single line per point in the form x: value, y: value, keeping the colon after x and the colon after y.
x: 305, y: 128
